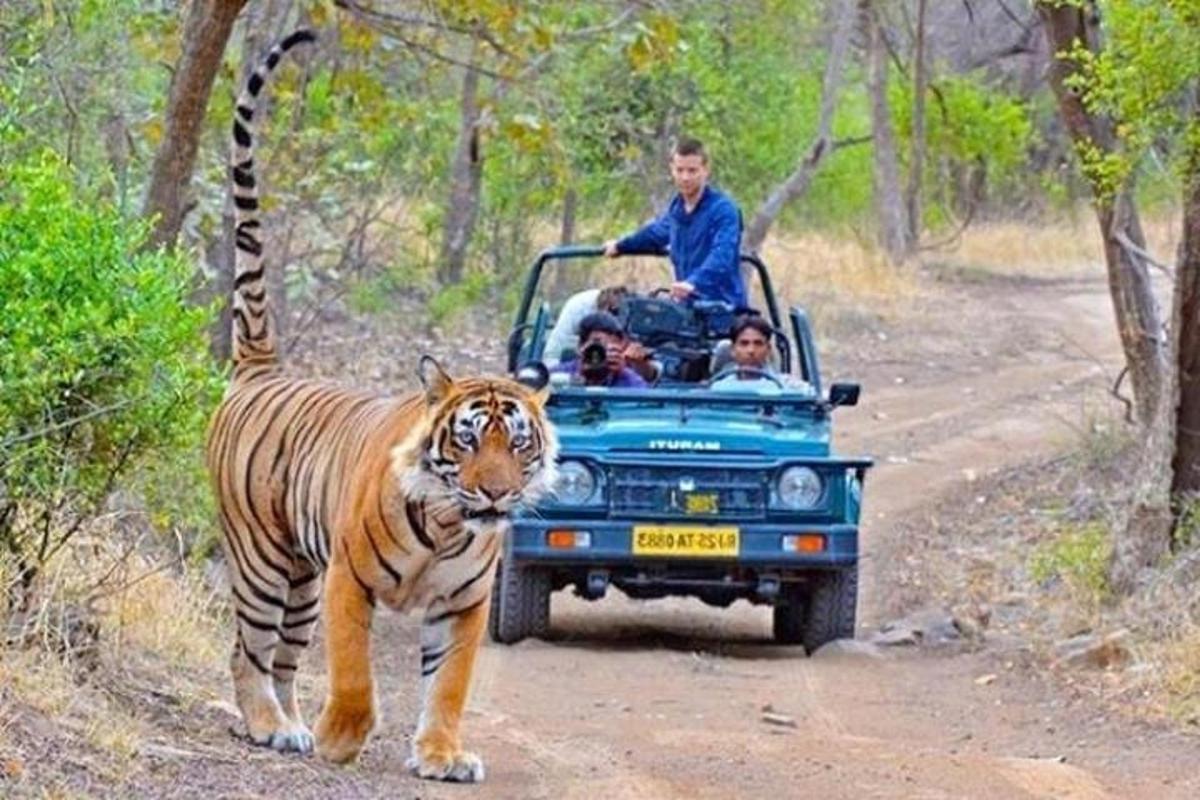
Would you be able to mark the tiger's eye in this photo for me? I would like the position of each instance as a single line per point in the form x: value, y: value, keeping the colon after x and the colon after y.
x: 467, y: 440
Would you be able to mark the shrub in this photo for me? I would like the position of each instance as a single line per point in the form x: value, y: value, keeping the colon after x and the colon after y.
x: 1079, y: 556
x: 103, y: 361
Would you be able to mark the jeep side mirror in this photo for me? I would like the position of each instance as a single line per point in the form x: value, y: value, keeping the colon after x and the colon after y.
x: 843, y: 394
x: 534, y: 375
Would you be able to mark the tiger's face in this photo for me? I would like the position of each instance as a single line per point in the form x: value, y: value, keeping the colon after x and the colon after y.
x: 486, y: 445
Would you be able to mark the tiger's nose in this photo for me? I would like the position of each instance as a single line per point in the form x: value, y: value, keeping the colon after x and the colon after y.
x: 491, y: 494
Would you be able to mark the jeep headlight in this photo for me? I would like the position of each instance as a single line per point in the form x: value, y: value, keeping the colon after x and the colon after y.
x: 576, y: 484
x: 799, y: 488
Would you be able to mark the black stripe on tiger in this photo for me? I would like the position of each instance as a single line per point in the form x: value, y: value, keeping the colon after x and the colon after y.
x: 491, y: 562
x: 416, y: 521
x: 437, y: 619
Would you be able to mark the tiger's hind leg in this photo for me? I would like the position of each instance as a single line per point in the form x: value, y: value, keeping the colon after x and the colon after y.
x: 260, y: 595
x: 299, y: 620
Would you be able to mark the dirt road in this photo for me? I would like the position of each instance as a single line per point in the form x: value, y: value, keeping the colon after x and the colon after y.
x: 665, y: 699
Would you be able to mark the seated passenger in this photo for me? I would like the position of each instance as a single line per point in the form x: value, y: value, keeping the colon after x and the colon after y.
x: 601, y: 359
x: 751, y: 352
x: 565, y: 332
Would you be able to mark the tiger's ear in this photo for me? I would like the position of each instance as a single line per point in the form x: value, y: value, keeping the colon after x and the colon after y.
x: 437, y: 381
x: 540, y: 397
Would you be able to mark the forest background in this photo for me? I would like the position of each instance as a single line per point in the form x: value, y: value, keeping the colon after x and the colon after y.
x: 420, y: 155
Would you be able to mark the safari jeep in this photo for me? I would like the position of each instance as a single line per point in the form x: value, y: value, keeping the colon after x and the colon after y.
x: 679, y: 489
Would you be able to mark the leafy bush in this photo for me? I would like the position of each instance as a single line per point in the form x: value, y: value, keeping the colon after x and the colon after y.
x: 103, y: 361
x: 1079, y: 556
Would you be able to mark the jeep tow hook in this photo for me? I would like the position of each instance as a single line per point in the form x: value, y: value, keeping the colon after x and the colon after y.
x: 768, y: 587
x: 597, y: 584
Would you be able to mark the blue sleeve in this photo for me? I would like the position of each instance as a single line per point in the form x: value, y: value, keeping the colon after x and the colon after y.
x: 712, y: 275
x: 653, y: 238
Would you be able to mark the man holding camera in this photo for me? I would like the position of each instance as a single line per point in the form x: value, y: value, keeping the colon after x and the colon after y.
x: 602, y: 353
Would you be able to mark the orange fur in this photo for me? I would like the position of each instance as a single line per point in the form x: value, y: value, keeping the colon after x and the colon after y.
x: 403, y: 500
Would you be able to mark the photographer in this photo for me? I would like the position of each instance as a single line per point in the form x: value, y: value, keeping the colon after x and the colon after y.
x: 602, y: 355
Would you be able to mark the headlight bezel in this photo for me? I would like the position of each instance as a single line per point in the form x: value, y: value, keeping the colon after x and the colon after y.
x: 783, y: 497
x: 579, y: 468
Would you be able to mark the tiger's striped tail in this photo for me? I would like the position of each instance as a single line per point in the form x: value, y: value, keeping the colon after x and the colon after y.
x: 254, y: 345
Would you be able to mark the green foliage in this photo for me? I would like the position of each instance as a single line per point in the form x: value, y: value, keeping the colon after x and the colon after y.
x: 1187, y: 525
x: 455, y: 299
x: 1079, y: 556
x: 970, y: 128
x: 1140, y: 80
x: 103, y: 363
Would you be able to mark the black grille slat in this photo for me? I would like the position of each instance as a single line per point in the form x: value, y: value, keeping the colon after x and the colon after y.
x: 661, y: 490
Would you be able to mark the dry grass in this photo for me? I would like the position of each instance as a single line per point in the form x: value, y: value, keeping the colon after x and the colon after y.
x: 172, y: 614
x: 1170, y: 676
x: 1065, y: 248
x: 114, y: 615
x: 841, y: 268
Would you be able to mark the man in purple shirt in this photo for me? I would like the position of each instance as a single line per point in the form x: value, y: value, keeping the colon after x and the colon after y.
x: 601, y: 359
x: 701, y: 229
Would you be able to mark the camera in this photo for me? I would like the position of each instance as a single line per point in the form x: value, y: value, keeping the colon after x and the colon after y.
x: 593, y: 361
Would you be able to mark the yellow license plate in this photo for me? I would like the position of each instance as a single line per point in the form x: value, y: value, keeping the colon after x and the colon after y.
x: 685, y: 540
x: 700, y: 503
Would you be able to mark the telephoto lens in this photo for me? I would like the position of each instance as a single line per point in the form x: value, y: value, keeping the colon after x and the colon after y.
x: 594, y: 361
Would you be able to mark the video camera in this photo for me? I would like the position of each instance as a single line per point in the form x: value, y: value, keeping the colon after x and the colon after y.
x: 680, y: 334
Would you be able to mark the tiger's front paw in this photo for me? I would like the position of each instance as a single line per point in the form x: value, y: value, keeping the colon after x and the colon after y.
x: 459, y: 767
x: 341, y: 731
x: 296, y: 739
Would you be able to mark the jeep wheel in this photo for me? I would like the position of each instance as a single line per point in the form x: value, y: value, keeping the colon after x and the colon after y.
x: 831, y: 608
x: 520, y: 603
x: 787, y: 617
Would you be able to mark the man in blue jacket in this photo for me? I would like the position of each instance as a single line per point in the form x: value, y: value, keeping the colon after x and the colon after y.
x: 702, y: 228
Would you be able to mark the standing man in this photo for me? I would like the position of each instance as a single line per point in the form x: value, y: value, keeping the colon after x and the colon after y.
x: 702, y: 228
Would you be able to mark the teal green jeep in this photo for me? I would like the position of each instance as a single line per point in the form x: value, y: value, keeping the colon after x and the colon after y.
x: 681, y: 489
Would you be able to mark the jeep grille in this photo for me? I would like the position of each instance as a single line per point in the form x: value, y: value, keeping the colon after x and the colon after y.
x: 663, y: 491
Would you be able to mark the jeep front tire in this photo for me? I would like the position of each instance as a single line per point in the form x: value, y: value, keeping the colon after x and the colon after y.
x: 831, y: 608
x: 520, y: 603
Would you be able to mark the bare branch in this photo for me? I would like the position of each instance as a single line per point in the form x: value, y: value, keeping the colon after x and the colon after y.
x: 1139, y: 252
x: 1115, y: 391
x: 394, y: 29
x: 851, y: 141
x: 99, y: 412
x: 958, y: 232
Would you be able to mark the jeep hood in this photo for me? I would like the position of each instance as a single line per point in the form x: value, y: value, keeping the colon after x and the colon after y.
x: 703, y: 432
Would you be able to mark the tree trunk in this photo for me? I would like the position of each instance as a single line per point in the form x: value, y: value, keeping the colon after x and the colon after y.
x: 1185, y: 486
x: 842, y: 21
x: 1128, y: 278
x: 205, y: 34
x: 466, y: 178
x: 570, y: 204
x: 220, y: 257
x: 885, y: 178
x: 916, y: 166
x: 1144, y: 536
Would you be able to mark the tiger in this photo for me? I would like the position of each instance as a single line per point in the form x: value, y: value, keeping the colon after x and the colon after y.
x: 332, y: 500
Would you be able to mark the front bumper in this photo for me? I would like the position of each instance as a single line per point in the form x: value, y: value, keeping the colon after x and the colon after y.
x: 760, y: 545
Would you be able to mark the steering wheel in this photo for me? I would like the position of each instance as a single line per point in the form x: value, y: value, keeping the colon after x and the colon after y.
x: 757, y: 372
